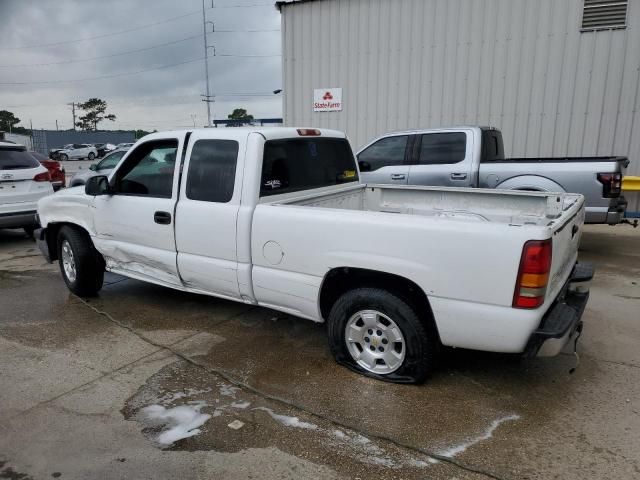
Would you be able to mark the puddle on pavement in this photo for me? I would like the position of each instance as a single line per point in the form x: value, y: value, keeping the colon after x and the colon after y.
x: 225, y: 418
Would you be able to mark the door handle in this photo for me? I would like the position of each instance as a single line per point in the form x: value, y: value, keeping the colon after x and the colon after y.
x: 163, y: 218
x: 398, y: 176
x: 458, y: 176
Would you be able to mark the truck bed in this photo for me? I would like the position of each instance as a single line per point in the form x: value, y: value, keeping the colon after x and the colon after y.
x: 456, y: 204
x: 622, y: 160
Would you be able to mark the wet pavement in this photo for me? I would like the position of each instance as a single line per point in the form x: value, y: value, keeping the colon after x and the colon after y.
x: 262, y: 398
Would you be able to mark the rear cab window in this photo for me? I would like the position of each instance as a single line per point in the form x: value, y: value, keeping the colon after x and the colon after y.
x: 212, y: 170
x: 296, y: 164
x: 442, y: 148
x: 16, y: 158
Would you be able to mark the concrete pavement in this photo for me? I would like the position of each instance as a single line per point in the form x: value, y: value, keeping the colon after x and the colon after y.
x: 78, y: 375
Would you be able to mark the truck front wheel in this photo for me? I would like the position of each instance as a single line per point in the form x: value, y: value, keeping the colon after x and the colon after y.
x: 376, y: 333
x: 81, y: 265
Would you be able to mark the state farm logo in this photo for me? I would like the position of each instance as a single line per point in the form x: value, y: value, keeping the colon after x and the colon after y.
x: 327, y: 99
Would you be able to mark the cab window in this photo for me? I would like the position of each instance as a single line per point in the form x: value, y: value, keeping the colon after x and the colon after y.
x: 148, y: 170
x: 386, y: 152
x: 442, y: 148
x: 212, y: 170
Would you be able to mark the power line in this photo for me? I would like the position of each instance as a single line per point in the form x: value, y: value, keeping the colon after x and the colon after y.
x: 246, y: 56
x: 115, y: 75
x: 271, y: 4
x: 104, y: 35
x: 65, y: 62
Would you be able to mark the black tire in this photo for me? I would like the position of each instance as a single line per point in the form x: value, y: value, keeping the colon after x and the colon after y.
x: 421, y: 339
x: 89, y: 264
x: 91, y: 156
x: 63, y: 157
x: 29, y: 231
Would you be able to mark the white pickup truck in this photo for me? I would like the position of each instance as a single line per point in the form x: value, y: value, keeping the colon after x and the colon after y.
x: 277, y: 217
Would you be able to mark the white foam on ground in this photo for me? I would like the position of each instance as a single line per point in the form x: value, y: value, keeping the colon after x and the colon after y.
x: 241, y: 405
x: 288, y: 421
x: 169, y: 398
x: 181, y: 422
x: 227, y: 390
x: 457, y: 449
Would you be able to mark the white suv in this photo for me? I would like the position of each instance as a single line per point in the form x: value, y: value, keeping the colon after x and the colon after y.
x: 78, y: 151
x: 23, y: 181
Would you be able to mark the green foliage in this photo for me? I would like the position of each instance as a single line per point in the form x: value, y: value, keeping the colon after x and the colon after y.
x: 241, y: 115
x: 8, y: 123
x: 95, y: 112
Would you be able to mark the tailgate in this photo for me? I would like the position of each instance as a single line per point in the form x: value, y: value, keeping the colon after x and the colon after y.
x: 566, y: 239
x: 18, y: 186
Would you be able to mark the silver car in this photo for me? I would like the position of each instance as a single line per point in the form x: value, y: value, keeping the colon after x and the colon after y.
x: 103, y: 167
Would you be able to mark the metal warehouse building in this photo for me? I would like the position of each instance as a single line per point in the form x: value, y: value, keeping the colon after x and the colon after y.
x: 558, y: 77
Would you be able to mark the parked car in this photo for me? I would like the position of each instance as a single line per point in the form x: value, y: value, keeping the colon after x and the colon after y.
x: 124, y: 145
x: 103, y: 167
x: 23, y: 181
x: 56, y: 170
x: 54, y: 152
x: 279, y: 218
x: 101, y: 149
x: 77, y: 151
x: 474, y: 157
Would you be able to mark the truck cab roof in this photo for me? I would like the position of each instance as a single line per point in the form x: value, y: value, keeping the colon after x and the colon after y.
x: 269, y: 133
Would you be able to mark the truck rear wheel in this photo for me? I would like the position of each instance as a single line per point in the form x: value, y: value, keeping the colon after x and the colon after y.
x: 81, y: 265
x: 378, y: 334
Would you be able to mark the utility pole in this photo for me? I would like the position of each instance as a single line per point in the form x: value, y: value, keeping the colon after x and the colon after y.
x: 73, y: 112
x: 56, y: 124
x: 206, y: 65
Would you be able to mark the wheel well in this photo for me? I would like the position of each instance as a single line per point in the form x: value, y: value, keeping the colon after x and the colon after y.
x: 52, y: 236
x: 342, y: 279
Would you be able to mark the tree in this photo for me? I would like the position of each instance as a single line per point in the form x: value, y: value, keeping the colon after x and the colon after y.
x: 8, y: 122
x: 94, y: 109
x: 240, y: 116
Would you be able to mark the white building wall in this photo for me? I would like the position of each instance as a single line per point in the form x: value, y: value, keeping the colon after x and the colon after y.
x: 520, y: 65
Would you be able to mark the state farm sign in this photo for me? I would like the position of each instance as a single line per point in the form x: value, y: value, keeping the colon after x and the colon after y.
x: 327, y: 100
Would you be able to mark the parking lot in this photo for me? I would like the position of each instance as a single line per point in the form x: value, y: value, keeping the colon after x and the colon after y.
x: 77, y: 373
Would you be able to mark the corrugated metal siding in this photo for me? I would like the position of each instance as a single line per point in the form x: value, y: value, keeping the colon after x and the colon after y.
x: 520, y: 65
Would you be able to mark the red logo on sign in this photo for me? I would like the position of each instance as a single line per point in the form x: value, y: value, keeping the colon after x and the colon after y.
x: 327, y: 96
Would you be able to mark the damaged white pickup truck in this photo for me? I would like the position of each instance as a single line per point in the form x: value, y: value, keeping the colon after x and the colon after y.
x: 278, y: 217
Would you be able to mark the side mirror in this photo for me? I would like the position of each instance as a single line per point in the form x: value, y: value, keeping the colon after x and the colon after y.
x: 93, y: 167
x: 364, y: 166
x: 98, y: 185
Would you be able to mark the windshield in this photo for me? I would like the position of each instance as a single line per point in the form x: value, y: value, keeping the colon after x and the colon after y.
x: 303, y: 163
x: 16, y: 158
x: 110, y: 161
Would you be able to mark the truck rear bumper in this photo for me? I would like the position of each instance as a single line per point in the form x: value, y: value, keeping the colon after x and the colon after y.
x: 612, y: 215
x: 563, y: 321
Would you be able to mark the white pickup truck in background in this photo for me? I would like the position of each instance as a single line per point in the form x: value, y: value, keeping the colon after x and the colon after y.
x: 278, y: 217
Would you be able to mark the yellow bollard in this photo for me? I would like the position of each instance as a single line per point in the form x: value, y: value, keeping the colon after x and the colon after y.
x: 631, y: 184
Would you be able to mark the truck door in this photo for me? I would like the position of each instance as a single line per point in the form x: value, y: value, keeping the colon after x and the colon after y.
x: 443, y: 159
x: 207, y: 213
x: 386, y: 161
x: 134, y: 225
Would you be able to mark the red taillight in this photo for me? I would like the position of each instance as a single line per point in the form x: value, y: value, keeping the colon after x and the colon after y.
x: 308, y: 132
x: 611, y: 184
x: 533, y: 275
x: 42, y: 177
